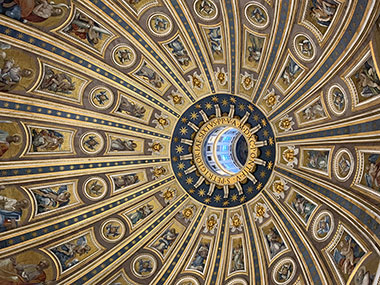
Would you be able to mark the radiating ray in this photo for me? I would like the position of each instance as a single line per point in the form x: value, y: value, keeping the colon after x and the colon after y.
x: 316, y: 276
x: 92, y: 67
x: 71, y: 116
x: 285, y: 11
x: 346, y: 41
x: 364, y: 127
x: 368, y: 219
x: 234, y: 34
x: 173, y: 265
x: 214, y: 276
x: 124, y: 249
x: 253, y: 248
x: 39, y: 234
x: 194, y: 38
x: 144, y: 44
x: 30, y: 171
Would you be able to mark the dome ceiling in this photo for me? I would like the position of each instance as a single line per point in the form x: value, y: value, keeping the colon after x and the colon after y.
x: 189, y: 142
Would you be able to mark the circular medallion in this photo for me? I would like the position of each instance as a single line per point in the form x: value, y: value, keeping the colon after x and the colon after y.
x: 205, y: 9
x: 144, y: 265
x: 112, y: 230
x: 337, y: 99
x: 257, y: 15
x: 323, y: 226
x: 362, y: 276
x: 160, y: 24
x: 223, y: 150
x: 123, y: 55
x: 343, y: 165
x: 92, y: 142
x: 284, y: 271
x: 304, y: 47
x: 95, y: 188
x: 101, y: 97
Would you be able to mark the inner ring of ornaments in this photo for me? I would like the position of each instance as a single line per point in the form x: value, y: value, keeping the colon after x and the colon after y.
x: 213, y: 183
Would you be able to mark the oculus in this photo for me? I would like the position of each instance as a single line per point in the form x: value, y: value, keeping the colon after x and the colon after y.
x: 223, y: 150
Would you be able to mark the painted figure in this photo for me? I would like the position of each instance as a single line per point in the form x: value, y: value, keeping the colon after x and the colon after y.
x: 372, y: 172
x: 323, y: 11
x: 364, y: 277
x: 313, y: 111
x: 125, y: 180
x: 318, y: 160
x: 324, y: 226
x: 10, y: 211
x: 10, y: 73
x: 303, y: 207
x: 69, y: 253
x: 57, y: 82
x: 131, y: 108
x: 255, y: 48
x: 290, y: 72
x: 166, y: 240
x: 369, y: 81
x: 6, y: 140
x: 179, y: 52
x: 199, y: 260
x: 14, y: 273
x: 86, y: 29
x: 150, y: 75
x: 46, y: 140
x: 140, y: 213
x: 48, y: 199
x: 215, y: 39
x: 348, y: 255
x: 338, y: 99
x: 274, y: 241
x: 119, y: 144
x: 34, y: 11
x: 284, y: 272
x: 237, y: 257
x: 344, y: 165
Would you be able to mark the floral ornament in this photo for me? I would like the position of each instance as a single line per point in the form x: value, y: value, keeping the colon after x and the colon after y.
x: 211, y: 224
x: 196, y: 81
x: 161, y: 121
x: 236, y: 223
x: 188, y: 213
x: 175, y: 98
x: 169, y: 194
x: 260, y: 212
x: 158, y: 171
x: 279, y: 187
x: 289, y: 155
x: 286, y: 123
x: 221, y: 76
x: 247, y: 80
x: 271, y: 99
x: 155, y: 147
